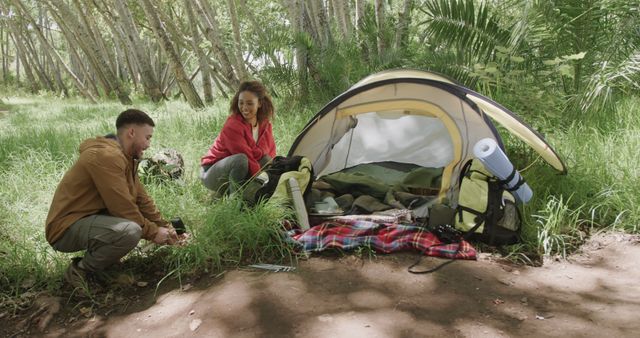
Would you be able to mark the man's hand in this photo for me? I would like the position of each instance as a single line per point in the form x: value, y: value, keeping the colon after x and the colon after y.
x: 166, y: 235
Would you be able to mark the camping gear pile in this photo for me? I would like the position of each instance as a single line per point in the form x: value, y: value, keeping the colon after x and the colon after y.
x: 403, y: 141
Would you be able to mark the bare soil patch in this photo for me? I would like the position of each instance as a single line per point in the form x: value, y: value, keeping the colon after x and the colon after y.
x: 593, y: 293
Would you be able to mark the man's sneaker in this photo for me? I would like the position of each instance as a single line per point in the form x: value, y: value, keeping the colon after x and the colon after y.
x: 76, y: 276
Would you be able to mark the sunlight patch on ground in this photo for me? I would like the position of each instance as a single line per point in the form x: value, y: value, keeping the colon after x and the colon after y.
x: 379, y: 323
x: 369, y: 299
x: 477, y: 330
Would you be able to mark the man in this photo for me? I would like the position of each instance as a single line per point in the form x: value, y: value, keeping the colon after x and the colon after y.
x: 100, y: 205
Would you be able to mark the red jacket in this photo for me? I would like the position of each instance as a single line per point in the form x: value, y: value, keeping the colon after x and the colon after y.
x: 236, y: 137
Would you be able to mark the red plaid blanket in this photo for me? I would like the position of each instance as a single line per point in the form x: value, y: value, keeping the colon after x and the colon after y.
x: 386, y: 238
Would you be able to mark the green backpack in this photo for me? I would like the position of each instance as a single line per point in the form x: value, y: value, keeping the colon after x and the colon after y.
x: 485, y: 208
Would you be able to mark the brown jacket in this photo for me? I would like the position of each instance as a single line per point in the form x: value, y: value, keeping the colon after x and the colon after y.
x: 102, y: 181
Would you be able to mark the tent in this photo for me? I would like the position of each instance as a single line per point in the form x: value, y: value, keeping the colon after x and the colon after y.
x: 410, y: 116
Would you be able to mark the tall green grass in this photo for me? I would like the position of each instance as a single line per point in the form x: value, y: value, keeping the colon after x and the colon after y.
x: 600, y: 189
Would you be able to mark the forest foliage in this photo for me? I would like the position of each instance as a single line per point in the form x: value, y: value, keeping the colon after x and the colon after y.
x: 543, y: 57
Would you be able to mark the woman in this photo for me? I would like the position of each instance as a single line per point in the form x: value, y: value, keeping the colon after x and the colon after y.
x: 245, y: 143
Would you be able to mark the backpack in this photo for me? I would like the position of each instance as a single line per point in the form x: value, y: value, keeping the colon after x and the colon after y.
x: 485, y: 208
x: 278, y: 172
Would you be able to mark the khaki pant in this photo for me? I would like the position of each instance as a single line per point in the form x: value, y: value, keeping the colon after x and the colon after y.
x: 106, y: 239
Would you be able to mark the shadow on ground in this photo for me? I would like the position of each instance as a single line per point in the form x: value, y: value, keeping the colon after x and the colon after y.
x: 593, y: 293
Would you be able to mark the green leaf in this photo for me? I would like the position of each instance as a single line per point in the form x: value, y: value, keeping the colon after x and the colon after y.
x: 516, y: 59
x: 502, y: 49
x: 578, y: 56
x: 566, y: 70
x: 516, y: 72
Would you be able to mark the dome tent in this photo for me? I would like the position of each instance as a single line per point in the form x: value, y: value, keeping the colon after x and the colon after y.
x: 414, y: 117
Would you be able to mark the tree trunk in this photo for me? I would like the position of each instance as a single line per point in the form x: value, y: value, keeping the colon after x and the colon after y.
x: 181, y: 77
x: 52, y: 66
x: 22, y: 55
x: 297, y: 25
x: 342, y: 15
x: 72, y: 39
x: 47, y: 48
x: 237, y: 42
x: 4, y: 51
x: 17, y: 64
x: 87, y: 77
x: 360, y: 7
x: 132, y: 40
x: 39, y: 67
x: 380, y: 22
x: 66, y: 16
x: 211, y: 29
x: 176, y: 35
x: 205, y: 71
x: 318, y: 16
x: 216, y: 79
x: 404, y: 20
x: 95, y: 34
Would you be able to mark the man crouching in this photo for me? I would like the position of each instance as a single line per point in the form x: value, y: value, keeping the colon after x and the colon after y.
x: 100, y: 205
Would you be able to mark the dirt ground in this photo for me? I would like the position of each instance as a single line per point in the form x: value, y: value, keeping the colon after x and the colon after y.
x: 594, y: 293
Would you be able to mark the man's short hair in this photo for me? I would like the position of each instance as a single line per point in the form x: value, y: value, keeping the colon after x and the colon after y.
x: 133, y: 116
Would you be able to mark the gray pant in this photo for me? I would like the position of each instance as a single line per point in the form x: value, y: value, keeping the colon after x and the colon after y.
x: 106, y: 239
x: 227, y: 174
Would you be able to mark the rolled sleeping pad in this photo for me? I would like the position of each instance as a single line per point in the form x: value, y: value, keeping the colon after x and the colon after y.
x: 497, y: 163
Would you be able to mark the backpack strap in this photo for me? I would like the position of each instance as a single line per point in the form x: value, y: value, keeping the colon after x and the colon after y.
x: 464, y: 237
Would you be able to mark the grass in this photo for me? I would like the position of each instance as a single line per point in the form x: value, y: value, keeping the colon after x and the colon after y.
x: 600, y: 190
x: 40, y: 136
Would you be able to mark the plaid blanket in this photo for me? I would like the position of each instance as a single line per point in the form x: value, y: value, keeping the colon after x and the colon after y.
x: 386, y: 238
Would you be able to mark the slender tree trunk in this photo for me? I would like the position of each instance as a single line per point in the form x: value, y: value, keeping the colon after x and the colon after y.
x: 211, y: 29
x: 404, y: 20
x: 10, y: 30
x: 218, y: 81
x: 342, y: 16
x: 39, y: 67
x: 22, y: 55
x: 65, y: 16
x: 318, y: 16
x: 47, y: 48
x: 205, y: 72
x: 17, y: 68
x: 95, y: 34
x: 380, y: 21
x: 70, y: 35
x: 87, y: 77
x: 56, y: 75
x: 237, y: 42
x: 54, y: 70
x: 173, y: 32
x: 360, y: 7
x: 181, y: 77
x: 297, y: 24
x: 4, y: 51
x: 132, y: 40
